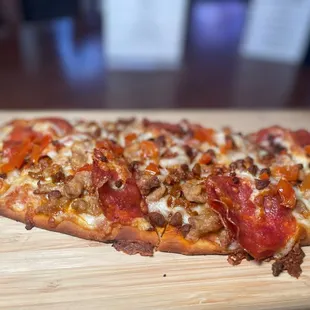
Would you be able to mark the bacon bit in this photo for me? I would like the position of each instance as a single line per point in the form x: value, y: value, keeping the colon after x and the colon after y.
x: 176, y: 220
x: 261, y: 184
x: 149, y: 150
x: 286, y: 193
x: 134, y: 166
x: 236, y: 258
x: 205, y: 159
x: 291, y: 262
x: 190, y: 152
x: 157, y: 219
x: 160, y: 141
x: 307, y: 149
x: 185, y: 229
x: 290, y: 173
x: 152, y: 169
x: 129, y: 138
x: 253, y: 170
x: 265, y: 174
x: 196, y: 170
x: 204, y: 134
x: 305, y: 185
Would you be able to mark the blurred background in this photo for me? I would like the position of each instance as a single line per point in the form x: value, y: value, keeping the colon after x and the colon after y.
x: 125, y: 54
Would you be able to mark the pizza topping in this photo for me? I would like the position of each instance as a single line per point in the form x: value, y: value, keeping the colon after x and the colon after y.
x: 133, y: 247
x: 79, y: 156
x: 194, y: 191
x: 238, y: 164
x: 305, y: 185
x: 147, y: 183
x: 261, y: 229
x: 203, y: 134
x: 196, y: 170
x: 54, y: 194
x: 236, y: 258
x: 58, y: 177
x: 44, y: 188
x: 290, y: 173
x: 185, y: 229
x: 302, y: 137
x: 253, y: 169
x: 291, y: 262
x: 64, y: 127
x: 132, y: 152
x: 172, y: 128
x: 176, y: 220
x: 204, y: 223
x: 205, y: 159
x: 44, y: 162
x: 160, y: 141
x: 74, y: 188
x: 79, y: 205
x: 261, y: 184
x: 157, y: 193
x: 157, y: 219
x: 265, y: 174
x: 152, y: 169
x: 190, y: 152
x: 287, y: 193
x: 149, y: 150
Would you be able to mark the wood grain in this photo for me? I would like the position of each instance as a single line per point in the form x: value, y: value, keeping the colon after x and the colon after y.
x: 46, y: 270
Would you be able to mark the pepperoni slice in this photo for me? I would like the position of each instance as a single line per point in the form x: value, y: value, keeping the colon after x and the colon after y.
x: 263, y: 227
x: 264, y: 134
x: 121, y: 205
x: 62, y: 124
x: 173, y: 128
x: 301, y: 137
x: 119, y: 195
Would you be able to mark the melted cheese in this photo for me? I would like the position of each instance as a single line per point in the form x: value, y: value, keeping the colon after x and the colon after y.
x: 18, y: 206
x: 180, y: 159
x: 90, y: 220
x: 182, y: 211
x: 160, y: 206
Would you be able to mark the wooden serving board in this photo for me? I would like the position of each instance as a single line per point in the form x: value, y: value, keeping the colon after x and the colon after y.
x: 46, y: 270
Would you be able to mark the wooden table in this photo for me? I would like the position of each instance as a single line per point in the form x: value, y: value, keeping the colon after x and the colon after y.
x: 45, y: 270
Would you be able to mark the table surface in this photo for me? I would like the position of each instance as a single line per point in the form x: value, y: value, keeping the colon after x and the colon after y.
x: 41, y: 269
x: 59, y: 64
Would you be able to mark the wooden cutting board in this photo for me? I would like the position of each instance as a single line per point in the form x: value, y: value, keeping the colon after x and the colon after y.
x: 45, y: 270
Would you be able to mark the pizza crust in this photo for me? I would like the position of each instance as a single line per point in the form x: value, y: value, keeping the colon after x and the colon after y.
x: 70, y: 228
x: 173, y: 241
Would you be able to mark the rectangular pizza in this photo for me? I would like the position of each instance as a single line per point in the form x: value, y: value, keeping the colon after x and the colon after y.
x: 149, y: 186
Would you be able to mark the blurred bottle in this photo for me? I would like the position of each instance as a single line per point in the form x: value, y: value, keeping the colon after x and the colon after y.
x: 277, y: 30
x: 140, y: 34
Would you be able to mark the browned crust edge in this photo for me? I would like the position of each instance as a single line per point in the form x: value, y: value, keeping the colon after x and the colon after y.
x: 70, y: 228
x: 173, y: 241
